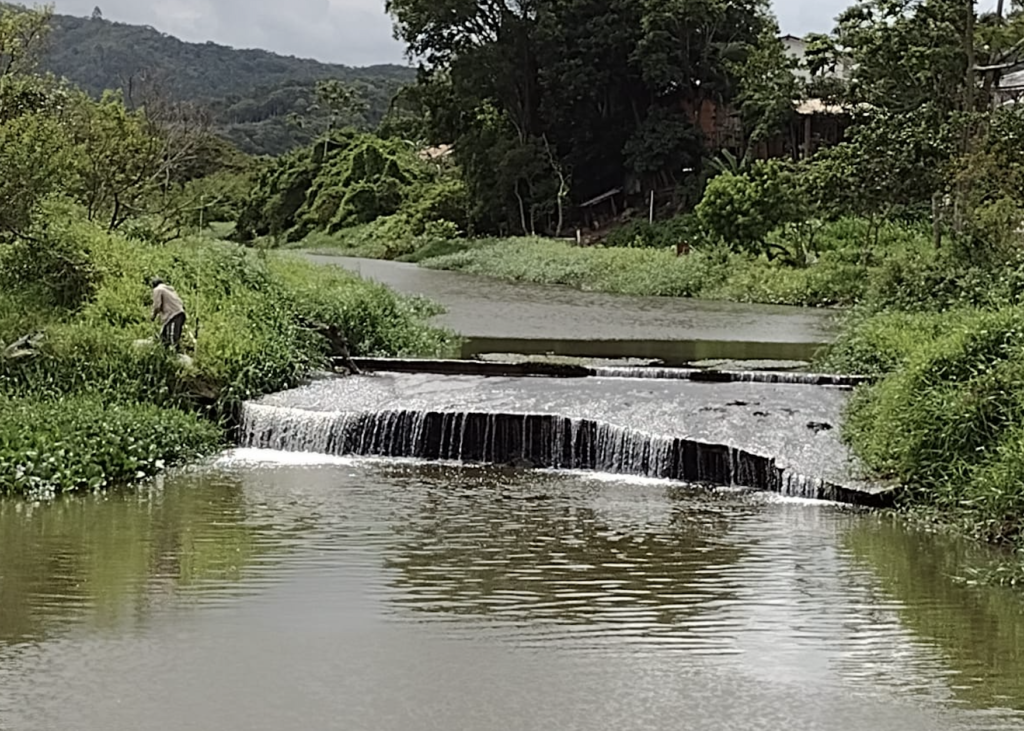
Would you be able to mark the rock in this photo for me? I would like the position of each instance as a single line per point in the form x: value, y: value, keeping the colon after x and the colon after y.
x: 819, y: 426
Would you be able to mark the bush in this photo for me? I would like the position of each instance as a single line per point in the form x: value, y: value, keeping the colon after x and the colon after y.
x: 742, y: 209
x: 251, y: 315
x: 949, y: 422
x: 53, y: 266
x: 84, y: 443
x: 658, y: 235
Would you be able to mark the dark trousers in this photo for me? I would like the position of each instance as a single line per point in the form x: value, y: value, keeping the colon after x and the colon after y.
x: 170, y: 335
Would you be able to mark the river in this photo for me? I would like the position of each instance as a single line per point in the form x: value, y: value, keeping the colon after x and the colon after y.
x: 520, y: 317
x: 277, y: 591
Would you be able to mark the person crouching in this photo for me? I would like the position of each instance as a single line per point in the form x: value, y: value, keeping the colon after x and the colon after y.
x: 168, y: 307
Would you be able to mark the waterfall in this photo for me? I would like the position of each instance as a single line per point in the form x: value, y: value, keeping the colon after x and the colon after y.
x: 540, y: 440
x: 562, y: 370
x: 697, y: 374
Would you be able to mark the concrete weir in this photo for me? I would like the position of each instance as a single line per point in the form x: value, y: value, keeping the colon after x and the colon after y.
x: 670, y: 430
x: 569, y: 370
x: 533, y: 440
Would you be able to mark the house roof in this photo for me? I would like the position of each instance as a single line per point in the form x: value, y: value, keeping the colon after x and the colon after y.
x: 436, y: 153
x: 808, y: 107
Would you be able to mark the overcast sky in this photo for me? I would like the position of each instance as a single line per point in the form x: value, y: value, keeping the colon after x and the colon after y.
x: 353, y: 32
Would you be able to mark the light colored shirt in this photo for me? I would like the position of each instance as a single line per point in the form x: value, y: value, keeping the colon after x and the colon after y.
x: 166, y: 303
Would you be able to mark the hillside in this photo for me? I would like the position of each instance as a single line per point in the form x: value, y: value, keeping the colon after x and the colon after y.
x: 250, y: 92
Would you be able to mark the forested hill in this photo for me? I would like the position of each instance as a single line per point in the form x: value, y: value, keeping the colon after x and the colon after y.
x: 250, y: 92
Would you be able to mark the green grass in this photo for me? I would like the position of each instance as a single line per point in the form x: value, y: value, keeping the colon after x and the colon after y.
x: 256, y: 314
x: 839, y: 276
x: 946, y: 417
x: 843, y: 272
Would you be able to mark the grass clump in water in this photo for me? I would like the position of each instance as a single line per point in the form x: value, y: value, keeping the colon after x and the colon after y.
x: 85, y: 443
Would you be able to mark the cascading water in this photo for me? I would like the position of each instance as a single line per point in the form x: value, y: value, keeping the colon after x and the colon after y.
x: 487, y: 368
x: 712, y: 376
x: 540, y: 440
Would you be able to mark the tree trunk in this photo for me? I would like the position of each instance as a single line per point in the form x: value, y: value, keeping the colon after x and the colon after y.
x: 971, y: 80
x: 522, y: 210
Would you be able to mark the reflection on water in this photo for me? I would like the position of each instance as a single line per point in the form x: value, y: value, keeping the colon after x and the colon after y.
x: 106, y: 560
x: 978, y: 632
x: 553, y: 551
x: 401, y: 596
x: 677, y: 352
x: 522, y: 317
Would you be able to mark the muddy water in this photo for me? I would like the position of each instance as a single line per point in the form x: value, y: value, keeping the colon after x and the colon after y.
x: 519, y: 317
x: 267, y: 592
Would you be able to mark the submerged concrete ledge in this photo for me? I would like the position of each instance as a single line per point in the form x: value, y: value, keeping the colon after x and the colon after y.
x: 563, y: 370
x: 535, y: 440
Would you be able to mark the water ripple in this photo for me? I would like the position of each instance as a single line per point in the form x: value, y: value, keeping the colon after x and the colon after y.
x: 295, y: 561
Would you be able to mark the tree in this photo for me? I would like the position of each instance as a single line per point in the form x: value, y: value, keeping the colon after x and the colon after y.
x: 132, y: 161
x: 554, y: 101
x: 22, y: 37
x: 34, y: 158
x: 33, y: 150
x: 767, y: 87
x: 97, y: 14
x: 914, y: 87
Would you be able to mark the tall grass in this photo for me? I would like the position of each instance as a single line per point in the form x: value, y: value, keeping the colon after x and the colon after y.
x: 841, y: 273
x: 946, y: 417
x: 258, y: 319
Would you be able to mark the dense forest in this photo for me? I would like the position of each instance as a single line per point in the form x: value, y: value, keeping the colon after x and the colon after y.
x: 252, y: 94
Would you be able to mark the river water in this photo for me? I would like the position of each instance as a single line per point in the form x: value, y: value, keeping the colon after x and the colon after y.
x: 520, y: 317
x: 280, y: 591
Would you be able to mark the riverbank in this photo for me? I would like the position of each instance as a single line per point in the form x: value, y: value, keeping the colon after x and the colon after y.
x: 91, y: 401
x: 930, y: 334
x: 945, y: 417
x: 848, y: 266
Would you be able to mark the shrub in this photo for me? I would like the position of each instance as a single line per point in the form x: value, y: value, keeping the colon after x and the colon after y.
x: 946, y: 424
x: 742, y: 209
x: 53, y: 266
x: 657, y: 235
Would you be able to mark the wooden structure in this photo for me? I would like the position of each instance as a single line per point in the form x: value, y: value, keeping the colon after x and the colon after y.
x: 600, y: 209
x: 815, y: 124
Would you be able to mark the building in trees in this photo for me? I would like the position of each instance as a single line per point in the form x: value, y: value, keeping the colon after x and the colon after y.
x: 814, y: 122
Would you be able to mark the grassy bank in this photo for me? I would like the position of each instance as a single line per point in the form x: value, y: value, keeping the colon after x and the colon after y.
x: 846, y: 266
x: 946, y: 417
x: 93, y: 405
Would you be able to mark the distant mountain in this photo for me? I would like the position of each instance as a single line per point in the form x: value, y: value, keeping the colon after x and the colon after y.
x: 251, y: 93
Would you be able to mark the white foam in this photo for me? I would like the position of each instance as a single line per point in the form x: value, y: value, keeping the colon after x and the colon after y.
x: 614, y: 477
x: 248, y: 456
